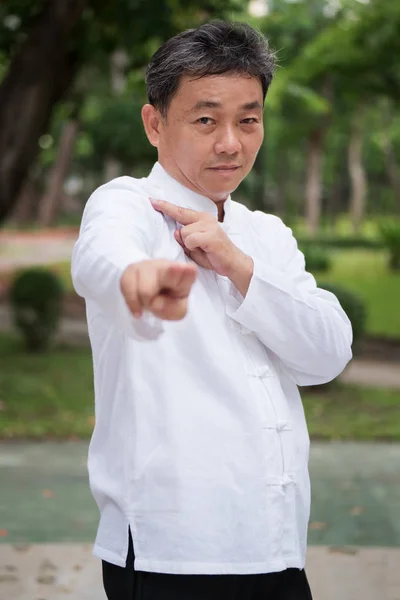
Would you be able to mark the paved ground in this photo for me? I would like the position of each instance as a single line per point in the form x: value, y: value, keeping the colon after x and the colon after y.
x: 48, y: 519
x: 24, y: 249
x: 60, y: 572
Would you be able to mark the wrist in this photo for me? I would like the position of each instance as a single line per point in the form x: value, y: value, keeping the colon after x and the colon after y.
x: 242, y: 272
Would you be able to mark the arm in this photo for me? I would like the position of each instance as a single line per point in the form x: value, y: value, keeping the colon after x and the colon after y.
x: 305, y: 327
x: 117, y: 230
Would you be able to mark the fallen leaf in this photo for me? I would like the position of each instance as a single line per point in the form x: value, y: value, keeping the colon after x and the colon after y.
x: 343, y: 550
x: 3, y: 533
x: 11, y: 568
x: 46, y: 579
x: 91, y: 421
x: 7, y: 578
x: 357, y: 510
x: 48, y: 494
x: 318, y: 525
x: 47, y: 565
x: 22, y: 547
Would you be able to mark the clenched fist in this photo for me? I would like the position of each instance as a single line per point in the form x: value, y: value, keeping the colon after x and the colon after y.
x: 160, y: 286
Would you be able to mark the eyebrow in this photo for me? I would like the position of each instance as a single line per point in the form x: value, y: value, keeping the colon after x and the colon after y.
x: 212, y: 104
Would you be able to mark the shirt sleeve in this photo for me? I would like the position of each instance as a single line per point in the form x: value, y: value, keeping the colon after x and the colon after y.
x: 304, y: 326
x: 118, y: 226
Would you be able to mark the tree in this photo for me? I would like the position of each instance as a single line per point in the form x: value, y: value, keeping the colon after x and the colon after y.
x: 56, y: 40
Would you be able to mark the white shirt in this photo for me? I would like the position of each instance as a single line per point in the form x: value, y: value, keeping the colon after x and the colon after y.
x: 200, y: 443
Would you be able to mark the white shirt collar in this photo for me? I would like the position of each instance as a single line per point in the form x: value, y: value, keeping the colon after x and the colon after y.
x: 165, y: 187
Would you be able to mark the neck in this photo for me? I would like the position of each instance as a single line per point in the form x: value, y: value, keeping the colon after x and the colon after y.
x: 176, y: 173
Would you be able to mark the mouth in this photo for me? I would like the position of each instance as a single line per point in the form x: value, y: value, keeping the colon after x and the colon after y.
x: 225, y: 168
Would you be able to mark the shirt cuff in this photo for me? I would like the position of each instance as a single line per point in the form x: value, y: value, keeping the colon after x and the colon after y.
x: 147, y: 327
x: 267, y: 285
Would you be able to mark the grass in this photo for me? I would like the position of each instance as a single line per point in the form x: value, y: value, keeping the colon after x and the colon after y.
x: 348, y: 412
x: 366, y: 273
x: 51, y: 396
x: 45, y: 395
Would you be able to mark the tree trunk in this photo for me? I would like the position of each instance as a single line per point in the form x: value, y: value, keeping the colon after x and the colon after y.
x: 118, y: 64
x: 393, y: 172
x: 392, y: 168
x: 314, y: 180
x: 24, y: 209
x: 357, y: 173
x: 39, y: 75
x: 50, y: 202
x: 259, y: 200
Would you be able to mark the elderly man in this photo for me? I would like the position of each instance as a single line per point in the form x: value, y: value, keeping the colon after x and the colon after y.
x: 203, y: 323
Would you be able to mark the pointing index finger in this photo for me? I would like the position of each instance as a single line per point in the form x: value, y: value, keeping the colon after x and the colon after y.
x: 184, y: 216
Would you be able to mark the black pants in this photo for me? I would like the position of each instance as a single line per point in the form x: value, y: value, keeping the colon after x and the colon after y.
x: 124, y: 583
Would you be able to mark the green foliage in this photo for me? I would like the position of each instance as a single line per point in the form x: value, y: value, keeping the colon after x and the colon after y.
x: 341, y: 242
x: 317, y: 259
x: 117, y: 131
x: 353, y: 306
x: 36, y: 298
x: 390, y: 233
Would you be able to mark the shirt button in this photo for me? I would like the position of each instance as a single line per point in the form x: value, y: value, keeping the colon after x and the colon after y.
x: 244, y: 331
x: 282, y: 425
x: 262, y: 372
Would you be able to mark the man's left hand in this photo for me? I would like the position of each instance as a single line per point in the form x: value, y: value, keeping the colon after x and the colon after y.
x: 207, y: 244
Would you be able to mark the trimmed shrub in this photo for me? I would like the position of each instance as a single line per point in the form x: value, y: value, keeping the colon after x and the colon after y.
x: 390, y: 235
x: 36, y: 299
x: 317, y: 259
x: 353, y: 306
x: 341, y: 242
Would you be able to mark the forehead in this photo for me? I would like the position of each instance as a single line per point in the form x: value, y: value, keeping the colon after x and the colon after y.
x: 230, y: 91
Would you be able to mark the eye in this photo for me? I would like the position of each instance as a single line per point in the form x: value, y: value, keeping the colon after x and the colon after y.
x: 205, y: 120
x: 249, y: 120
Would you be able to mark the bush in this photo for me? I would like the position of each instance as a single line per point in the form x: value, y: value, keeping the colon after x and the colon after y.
x: 36, y: 300
x: 317, y: 259
x: 341, y: 242
x: 353, y: 306
x: 390, y: 235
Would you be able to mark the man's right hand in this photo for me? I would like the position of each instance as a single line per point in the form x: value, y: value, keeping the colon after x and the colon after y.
x: 160, y: 286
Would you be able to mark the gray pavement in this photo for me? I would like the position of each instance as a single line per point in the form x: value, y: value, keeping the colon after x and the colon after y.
x: 27, y: 249
x: 62, y: 571
x: 48, y: 522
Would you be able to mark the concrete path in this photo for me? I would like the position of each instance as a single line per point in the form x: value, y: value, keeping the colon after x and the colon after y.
x: 59, y: 572
x: 48, y: 521
x: 30, y: 248
x: 372, y: 373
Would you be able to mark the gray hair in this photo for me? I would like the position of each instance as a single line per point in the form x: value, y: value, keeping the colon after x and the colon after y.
x: 215, y: 48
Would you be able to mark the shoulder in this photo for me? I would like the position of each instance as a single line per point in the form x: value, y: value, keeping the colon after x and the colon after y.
x: 265, y: 226
x: 123, y: 197
x: 121, y: 187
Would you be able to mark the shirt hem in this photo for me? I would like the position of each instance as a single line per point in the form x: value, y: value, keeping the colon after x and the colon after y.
x: 195, y: 568
x: 108, y: 556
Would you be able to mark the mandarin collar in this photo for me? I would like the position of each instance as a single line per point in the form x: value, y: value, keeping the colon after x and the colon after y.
x: 164, y: 187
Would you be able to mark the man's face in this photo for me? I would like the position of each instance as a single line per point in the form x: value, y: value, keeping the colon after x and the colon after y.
x: 212, y: 133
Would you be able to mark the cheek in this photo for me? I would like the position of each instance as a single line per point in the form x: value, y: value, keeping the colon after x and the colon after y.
x: 194, y: 150
x: 252, y: 146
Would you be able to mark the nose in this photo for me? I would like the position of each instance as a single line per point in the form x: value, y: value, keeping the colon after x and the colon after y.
x: 228, y: 142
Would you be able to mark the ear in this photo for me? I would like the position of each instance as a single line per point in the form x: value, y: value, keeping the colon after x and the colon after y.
x: 152, y: 121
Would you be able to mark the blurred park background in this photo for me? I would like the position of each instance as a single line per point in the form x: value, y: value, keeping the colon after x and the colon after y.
x: 71, y: 90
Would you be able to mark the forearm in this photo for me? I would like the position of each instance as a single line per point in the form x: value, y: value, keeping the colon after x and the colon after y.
x: 242, y: 272
x: 307, y: 330
x: 97, y: 277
